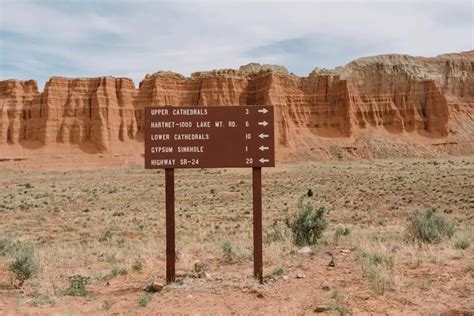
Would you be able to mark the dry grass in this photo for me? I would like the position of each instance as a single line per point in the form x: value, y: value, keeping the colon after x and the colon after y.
x: 93, y: 223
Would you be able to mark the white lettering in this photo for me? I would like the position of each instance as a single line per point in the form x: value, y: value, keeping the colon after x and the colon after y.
x: 189, y: 111
x: 159, y: 112
x: 203, y: 124
x: 162, y: 124
x: 160, y: 136
x: 191, y: 149
x: 157, y: 150
x: 191, y: 136
x: 162, y: 162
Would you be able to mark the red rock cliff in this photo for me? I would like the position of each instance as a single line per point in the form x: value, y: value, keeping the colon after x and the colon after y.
x: 375, y: 106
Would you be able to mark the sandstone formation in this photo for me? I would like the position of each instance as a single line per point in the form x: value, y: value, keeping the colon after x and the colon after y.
x: 372, y: 107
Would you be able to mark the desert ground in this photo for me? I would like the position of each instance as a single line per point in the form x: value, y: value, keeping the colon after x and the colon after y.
x: 98, y: 237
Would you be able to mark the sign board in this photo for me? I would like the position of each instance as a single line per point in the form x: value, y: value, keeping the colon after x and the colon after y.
x: 209, y: 137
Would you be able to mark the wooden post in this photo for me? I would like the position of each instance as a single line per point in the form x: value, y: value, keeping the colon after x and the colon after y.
x: 257, y: 223
x: 170, y: 226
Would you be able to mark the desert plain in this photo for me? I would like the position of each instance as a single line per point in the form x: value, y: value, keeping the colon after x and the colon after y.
x: 98, y: 237
x: 379, y: 151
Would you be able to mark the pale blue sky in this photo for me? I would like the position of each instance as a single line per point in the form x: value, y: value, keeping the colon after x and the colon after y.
x: 86, y: 38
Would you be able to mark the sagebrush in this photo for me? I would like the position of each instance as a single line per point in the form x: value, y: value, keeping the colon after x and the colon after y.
x: 24, y: 262
x: 428, y: 227
x: 77, y: 285
x: 307, y: 224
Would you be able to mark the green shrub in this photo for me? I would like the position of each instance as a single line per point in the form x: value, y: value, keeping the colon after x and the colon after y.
x: 229, y: 253
x: 308, y: 224
x: 118, y: 271
x: 278, y: 272
x: 462, y: 244
x: 341, y: 232
x: 137, y: 266
x: 429, y: 227
x: 25, y: 263
x: 26, y: 185
x: 5, y: 244
x: 144, y: 300
x: 77, y: 285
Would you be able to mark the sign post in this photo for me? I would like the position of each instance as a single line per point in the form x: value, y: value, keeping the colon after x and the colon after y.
x: 210, y: 137
x: 170, y: 226
x: 257, y: 223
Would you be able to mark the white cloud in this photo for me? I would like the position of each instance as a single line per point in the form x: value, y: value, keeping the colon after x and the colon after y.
x: 131, y: 38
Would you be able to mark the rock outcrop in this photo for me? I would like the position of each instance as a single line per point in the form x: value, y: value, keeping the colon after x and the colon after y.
x: 372, y: 107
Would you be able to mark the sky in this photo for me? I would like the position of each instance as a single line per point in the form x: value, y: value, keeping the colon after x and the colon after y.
x: 130, y: 38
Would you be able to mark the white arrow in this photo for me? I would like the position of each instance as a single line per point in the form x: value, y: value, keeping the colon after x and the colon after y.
x: 262, y: 135
x: 263, y: 148
x: 263, y: 110
x: 264, y: 123
x: 262, y: 160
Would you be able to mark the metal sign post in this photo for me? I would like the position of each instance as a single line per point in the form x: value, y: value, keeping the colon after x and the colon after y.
x: 257, y: 223
x: 170, y: 226
x: 210, y: 137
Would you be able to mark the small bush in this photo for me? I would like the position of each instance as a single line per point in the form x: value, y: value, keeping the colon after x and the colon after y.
x: 137, y: 266
x: 26, y: 185
x: 278, y: 233
x: 376, y: 267
x: 462, y: 244
x: 341, y: 232
x: 144, y: 300
x: 308, y: 224
x: 118, y: 271
x: 278, y: 272
x: 106, y: 235
x: 428, y: 227
x: 5, y: 244
x: 77, y: 285
x: 229, y: 253
x: 25, y: 263
x: 380, y: 280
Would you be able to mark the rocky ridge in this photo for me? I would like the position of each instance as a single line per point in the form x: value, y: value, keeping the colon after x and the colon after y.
x: 381, y: 106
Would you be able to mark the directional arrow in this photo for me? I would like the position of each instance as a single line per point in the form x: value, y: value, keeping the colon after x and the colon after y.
x: 263, y: 148
x: 262, y: 135
x: 262, y: 160
x: 263, y: 110
x: 264, y: 123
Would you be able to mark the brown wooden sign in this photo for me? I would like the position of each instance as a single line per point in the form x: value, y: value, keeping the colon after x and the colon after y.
x: 209, y: 137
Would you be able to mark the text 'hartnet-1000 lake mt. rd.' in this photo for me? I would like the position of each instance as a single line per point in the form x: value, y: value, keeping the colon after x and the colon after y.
x: 209, y: 137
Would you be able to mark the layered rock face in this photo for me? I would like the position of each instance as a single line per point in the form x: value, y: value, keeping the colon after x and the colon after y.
x: 422, y: 102
x: 19, y: 112
x: 98, y: 111
x: 95, y: 111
